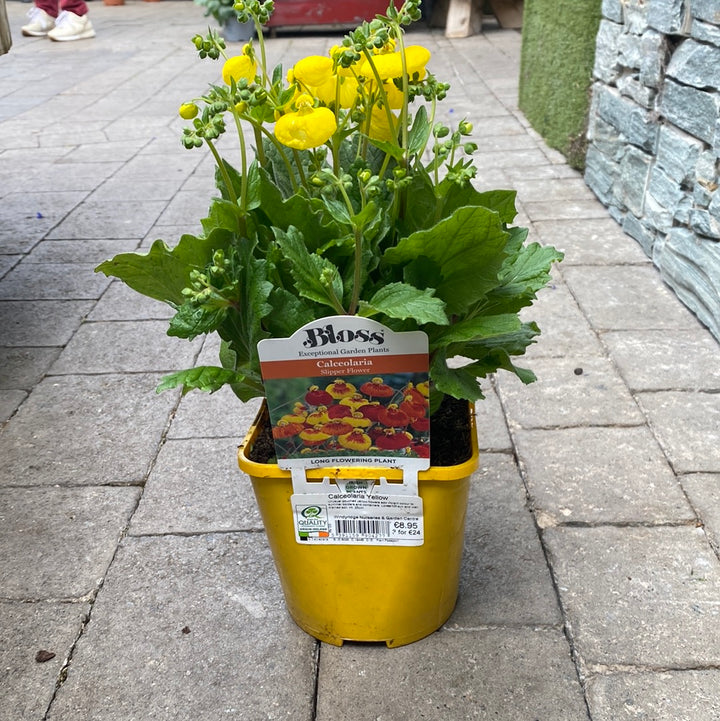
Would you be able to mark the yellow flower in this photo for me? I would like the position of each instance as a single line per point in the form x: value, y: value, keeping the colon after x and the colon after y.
x: 394, y: 95
x: 308, y: 127
x: 380, y: 126
x: 389, y: 65
x: 313, y: 71
x: 237, y: 67
x: 188, y: 111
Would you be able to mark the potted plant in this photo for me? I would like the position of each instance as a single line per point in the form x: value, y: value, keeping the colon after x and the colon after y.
x: 227, y: 19
x: 354, y: 204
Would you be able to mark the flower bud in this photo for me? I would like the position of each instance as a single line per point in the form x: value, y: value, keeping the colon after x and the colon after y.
x: 188, y: 111
x: 465, y: 127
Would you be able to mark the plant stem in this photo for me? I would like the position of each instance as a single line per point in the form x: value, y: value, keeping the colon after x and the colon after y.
x: 223, y: 170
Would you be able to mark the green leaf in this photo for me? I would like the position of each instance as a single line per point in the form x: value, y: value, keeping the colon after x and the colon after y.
x: 299, y: 210
x: 474, y: 329
x: 468, y: 249
x: 243, y: 323
x: 399, y: 300
x: 420, y: 132
x: 203, y: 378
x: 316, y: 278
x: 456, y: 196
x: 288, y: 313
x: 191, y: 321
x: 456, y: 382
x: 522, y: 275
x: 163, y: 273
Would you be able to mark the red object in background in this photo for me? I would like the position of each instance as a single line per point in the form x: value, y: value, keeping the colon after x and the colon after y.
x: 327, y: 12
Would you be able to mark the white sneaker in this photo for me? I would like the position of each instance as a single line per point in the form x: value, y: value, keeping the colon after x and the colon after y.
x: 40, y: 23
x: 70, y: 26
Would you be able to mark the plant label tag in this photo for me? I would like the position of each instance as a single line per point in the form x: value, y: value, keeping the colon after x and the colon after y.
x: 357, y: 518
x: 348, y: 391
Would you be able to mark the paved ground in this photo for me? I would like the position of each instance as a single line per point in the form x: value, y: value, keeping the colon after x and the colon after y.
x: 130, y: 546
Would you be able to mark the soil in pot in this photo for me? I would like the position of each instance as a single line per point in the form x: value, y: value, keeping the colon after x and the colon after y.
x: 449, y: 431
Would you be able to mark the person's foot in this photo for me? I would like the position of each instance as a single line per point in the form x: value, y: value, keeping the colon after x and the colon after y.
x: 70, y: 26
x: 40, y: 23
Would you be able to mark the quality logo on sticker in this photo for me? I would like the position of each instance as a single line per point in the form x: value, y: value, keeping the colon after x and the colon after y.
x: 312, y: 522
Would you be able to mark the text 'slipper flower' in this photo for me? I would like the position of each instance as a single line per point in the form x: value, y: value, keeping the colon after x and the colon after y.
x: 342, y: 191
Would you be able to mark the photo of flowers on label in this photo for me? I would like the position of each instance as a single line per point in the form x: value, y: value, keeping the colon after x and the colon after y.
x: 358, y: 414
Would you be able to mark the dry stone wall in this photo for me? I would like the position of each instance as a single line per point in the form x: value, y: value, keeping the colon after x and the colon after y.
x: 654, y: 138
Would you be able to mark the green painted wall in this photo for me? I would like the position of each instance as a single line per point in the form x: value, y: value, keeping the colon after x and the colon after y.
x: 558, y: 52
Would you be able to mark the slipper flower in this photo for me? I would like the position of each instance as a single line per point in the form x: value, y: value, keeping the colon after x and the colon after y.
x: 356, y: 440
x: 340, y: 389
x: 377, y: 389
x: 318, y: 397
x: 392, y: 440
x: 412, y: 409
x: 421, y: 425
x: 239, y: 67
x: 414, y: 393
x: 358, y: 420
x: 312, y: 437
x: 298, y: 415
x: 286, y: 430
x: 336, y: 428
x: 371, y: 410
x: 393, y: 417
x: 313, y: 71
x: 380, y: 128
x: 421, y: 450
x: 354, y: 401
x: 338, y: 411
x: 389, y: 65
x: 308, y: 127
x: 317, y: 417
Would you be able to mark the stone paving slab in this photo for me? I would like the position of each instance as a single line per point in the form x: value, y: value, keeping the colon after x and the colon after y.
x: 56, y: 543
x: 687, y: 426
x: 9, y: 402
x: 26, y: 628
x: 627, y: 298
x: 125, y: 347
x: 41, y: 322
x: 35, y: 214
x: 589, y: 241
x: 86, y: 430
x: 576, y: 391
x: 504, y: 577
x: 668, y: 696
x: 636, y: 596
x: 666, y: 360
x: 492, y: 430
x: 53, y: 281
x: 79, y: 251
x: 109, y: 219
x: 600, y: 475
x: 502, y: 673
x: 563, y: 328
x: 217, y: 415
x: 187, y: 629
x: 24, y: 367
x: 703, y: 491
x: 119, y: 302
x: 196, y: 487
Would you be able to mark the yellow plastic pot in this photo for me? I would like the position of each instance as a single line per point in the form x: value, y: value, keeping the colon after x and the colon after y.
x: 390, y: 594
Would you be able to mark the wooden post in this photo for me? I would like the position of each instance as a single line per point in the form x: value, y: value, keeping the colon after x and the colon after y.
x: 463, y: 18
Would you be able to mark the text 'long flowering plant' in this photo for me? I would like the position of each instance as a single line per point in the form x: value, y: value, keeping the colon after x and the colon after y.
x: 345, y: 196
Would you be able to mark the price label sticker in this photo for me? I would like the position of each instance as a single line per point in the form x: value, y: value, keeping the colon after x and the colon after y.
x: 358, y: 518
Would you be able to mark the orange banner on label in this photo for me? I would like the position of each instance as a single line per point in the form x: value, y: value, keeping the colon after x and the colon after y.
x: 345, y: 366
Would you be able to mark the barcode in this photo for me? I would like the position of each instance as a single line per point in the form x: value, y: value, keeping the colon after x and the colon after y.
x: 362, y: 527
